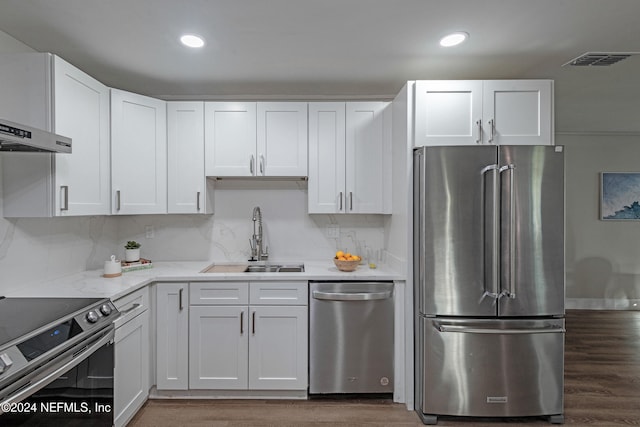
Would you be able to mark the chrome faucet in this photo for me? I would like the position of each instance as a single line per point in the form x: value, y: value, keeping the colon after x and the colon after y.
x: 258, y: 251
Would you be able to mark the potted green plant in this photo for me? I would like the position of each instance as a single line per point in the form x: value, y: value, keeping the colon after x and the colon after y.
x: 132, y: 251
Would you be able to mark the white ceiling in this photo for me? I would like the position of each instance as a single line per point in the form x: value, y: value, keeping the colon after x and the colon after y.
x: 339, y: 48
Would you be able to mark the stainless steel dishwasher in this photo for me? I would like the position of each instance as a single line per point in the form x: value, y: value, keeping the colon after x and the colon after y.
x: 351, y: 337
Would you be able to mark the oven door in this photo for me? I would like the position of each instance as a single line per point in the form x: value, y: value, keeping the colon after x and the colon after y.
x: 75, y: 388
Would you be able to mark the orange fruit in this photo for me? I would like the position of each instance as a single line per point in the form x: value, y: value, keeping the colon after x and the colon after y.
x: 339, y: 254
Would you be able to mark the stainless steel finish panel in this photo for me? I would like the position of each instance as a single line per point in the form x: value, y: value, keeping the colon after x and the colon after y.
x: 532, y: 230
x: 351, y: 337
x: 455, y: 229
x: 491, y: 368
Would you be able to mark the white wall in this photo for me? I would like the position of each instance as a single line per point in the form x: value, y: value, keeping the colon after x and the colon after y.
x: 602, y: 257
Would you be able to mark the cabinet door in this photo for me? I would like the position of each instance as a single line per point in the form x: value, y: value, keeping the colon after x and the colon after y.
x: 326, y: 157
x: 448, y: 112
x: 187, y: 184
x: 366, y: 158
x: 138, y: 154
x: 218, y: 347
x: 230, y: 139
x: 282, y: 139
x: 83, y: 177
x: 131, y: 372
x: 518, y: 112
x: 278, y: 348
x: 43, y: 91
x: 172, y: 336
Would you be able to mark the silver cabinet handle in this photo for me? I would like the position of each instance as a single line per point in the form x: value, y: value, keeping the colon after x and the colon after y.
x: 496, y: 331
x: 117, y: 200
x: 350, y: 200
x: 129, y: 310
x: 351, y: 296
x: 198, y: 201
x: 261, y: 164
x: 479, y: 124
x: 253, y: 323
x: 492, y: 127
x: 251, y: 162
x: 241, y: 322
x: 340, y: 200
x: 511, y: 292
x: 180, y: 306
x: 65, y: 190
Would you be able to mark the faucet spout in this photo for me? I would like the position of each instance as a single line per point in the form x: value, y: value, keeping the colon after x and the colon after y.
x: 257, y: 244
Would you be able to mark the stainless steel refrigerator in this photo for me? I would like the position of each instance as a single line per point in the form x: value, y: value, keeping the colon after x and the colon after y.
x: 489, y: 281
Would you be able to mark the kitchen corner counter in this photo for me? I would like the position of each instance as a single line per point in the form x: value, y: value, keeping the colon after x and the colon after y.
x: 91, y: 284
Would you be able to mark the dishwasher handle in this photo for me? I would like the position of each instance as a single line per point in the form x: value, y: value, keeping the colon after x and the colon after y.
x: 351, y: 296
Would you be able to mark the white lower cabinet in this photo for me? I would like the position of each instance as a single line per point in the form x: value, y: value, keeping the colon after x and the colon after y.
x: 218, y: 347
x: 131, y: 371
x: 278, y: 348
x: 172, y: 336
x: 238, y: 345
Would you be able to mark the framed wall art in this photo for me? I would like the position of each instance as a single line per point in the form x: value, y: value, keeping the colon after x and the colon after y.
x: 620, y: 196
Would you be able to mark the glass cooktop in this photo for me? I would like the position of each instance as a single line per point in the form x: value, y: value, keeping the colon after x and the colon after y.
x: 20, y: 316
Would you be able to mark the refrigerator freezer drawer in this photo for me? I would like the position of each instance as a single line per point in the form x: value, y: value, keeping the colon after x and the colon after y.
x: 492, y: 368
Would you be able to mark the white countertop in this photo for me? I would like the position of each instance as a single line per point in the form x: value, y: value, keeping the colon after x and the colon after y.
x: 91, y: 284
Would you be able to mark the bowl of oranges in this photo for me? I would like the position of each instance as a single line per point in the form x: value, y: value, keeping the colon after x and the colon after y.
x: 346, y: 261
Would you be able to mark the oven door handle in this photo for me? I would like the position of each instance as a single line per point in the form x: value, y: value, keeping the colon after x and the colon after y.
x: 58, y: 368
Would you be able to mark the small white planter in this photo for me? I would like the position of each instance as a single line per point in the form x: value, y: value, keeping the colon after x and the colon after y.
x: 131, y: 255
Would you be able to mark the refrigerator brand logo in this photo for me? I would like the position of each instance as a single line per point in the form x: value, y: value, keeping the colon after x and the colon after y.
x: 497, y: 399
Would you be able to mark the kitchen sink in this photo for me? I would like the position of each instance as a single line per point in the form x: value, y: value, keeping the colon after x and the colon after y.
x: 275, y: 268
x: 261, y: 267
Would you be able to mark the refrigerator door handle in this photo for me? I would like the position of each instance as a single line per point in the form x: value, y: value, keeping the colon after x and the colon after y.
x: 493, y: 262
x: 496, y: 331
x: 511, y: 291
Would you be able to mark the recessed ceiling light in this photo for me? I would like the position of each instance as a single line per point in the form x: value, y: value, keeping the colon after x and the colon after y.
x: 453, y: 39
x: 191, y: 40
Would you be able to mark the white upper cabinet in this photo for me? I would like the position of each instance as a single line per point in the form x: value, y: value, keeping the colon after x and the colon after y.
x: 349, y: 157
x: 326, y: 185
x: 518, y: 112
x: 44, y: 91
x: 256, y: 139
x: 282, y: 139
x: 230, y: 138
x: 138, y: 154
x: 368, y: 157
x: 471, y: 112
x: 186, y: 181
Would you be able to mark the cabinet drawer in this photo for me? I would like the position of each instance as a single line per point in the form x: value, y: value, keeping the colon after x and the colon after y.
x: 139, y: 297
x: 278, y: 293
x: 219, y: 293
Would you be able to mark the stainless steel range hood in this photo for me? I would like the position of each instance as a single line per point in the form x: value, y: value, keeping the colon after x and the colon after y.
x: 22, y: 138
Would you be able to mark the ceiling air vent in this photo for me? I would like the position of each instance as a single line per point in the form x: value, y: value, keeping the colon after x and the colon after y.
x: 600, y: 59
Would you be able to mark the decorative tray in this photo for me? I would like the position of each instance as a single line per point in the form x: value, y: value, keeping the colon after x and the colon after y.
x: 141, y: 264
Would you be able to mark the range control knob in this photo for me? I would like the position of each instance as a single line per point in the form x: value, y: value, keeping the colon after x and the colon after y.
x: 105, y: 309
x: 5, y: 362
x: 92, y: 317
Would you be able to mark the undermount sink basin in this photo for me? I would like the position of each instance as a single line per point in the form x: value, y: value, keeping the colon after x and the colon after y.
x: 275, y: 268
x: 255, y: 268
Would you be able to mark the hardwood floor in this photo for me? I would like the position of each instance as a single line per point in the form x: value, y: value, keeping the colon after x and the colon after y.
x: 602, y: 387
